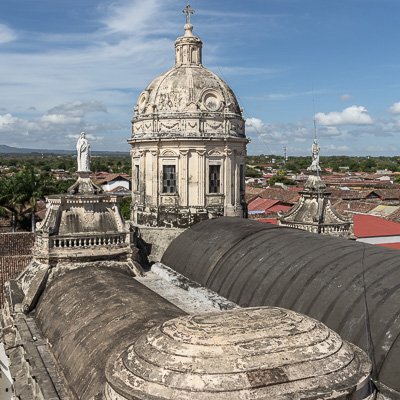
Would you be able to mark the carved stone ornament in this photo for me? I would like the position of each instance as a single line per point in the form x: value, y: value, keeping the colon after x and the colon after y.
x: 214, y: 152
x: 142, y: 102
x: 228, y: 152
x: 169, y: 153
x: 211, y: 99
x: 167, y: 127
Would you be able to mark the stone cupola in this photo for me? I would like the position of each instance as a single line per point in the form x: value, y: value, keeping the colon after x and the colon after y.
x: 188, y: 144
x: 314, y: 211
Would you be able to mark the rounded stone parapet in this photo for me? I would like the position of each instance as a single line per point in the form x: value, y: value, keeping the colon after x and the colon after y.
x: 253, y: 353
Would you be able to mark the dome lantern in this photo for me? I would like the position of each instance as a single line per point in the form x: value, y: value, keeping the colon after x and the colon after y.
x: 188, y: 47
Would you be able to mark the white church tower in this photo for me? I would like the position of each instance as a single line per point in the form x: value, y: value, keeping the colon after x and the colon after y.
x: 188, y: 144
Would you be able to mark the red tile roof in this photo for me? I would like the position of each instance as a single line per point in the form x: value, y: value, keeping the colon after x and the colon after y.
x: 370, y: 226
x: 279, y: 207
x: 260, y: 204
x: 272, y: 221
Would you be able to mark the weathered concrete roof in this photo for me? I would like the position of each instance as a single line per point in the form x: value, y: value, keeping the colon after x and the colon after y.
x: 256, y: 353
x: 256, y: 264
x: 90, y: 314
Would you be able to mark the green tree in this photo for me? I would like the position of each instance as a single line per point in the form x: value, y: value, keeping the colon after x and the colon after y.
x: 281, y: 179
x: 10, y: 199
x: 32, y: 187
x: 61, y: 186
x: 125, y: 204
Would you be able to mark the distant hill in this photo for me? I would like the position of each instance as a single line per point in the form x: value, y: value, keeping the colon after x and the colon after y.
x: 4, y: 149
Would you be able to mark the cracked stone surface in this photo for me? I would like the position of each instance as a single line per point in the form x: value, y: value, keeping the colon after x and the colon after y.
x: 253, y: 353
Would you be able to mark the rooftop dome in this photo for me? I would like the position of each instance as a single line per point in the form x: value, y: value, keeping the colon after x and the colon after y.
x: 253, y: 353
x: 188, y: 90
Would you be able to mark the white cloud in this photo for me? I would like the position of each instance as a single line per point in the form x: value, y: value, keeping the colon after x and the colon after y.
x: 88, y: 136
x: 329, y: 131
x: 136, y: 17
x: 375, y: 148
x: 6, y: 34
x: 394, y: 108
x: 353, y: 115
x: 345, y: 97
x: 334, y: 147
x: 6, y: 120
x: 56, y: 128
x: 60, y: 119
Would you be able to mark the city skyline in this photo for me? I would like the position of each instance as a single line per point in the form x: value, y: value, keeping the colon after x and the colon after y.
x: 71, y: 66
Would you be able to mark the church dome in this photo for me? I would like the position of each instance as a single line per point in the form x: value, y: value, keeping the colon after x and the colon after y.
x: 188, y: 100
x: 249, y: 353
x: 186, y: 88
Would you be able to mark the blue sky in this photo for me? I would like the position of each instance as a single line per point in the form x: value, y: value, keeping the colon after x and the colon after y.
x: 72, y: 66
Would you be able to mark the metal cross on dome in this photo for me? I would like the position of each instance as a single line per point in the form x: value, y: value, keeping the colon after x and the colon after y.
x: 188, y: 11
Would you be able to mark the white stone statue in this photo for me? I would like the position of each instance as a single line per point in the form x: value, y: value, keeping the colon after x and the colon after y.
x: 315, y: 157
x: 83, y: 148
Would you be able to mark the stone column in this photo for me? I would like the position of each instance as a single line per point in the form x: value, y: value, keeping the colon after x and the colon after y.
x: 142, y: 173
x: 229, y: 183
x: 183, y: 177
x: 202, y: 178
x: 154, y: 177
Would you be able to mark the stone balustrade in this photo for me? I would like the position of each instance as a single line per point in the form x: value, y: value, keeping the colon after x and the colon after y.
x: 58, y: 242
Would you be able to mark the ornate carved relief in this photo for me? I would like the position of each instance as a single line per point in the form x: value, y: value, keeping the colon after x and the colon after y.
x: 142, y: 102
x: 171, y: 100
x: 212, y: 200
x: 214, y: 152
x: 214, y: 126
x: 168, y: 200
x: 168, y: 127
x: 236, y: 127
x: 228, y: 151
x: 169, y: 153
x: 138, y: 127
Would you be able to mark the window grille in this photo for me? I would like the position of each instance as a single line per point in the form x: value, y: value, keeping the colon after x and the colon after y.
x: 169, y: 179
x: 214, y: 179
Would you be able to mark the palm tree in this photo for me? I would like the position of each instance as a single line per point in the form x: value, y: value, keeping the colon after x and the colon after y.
x: 9, y: 199
x: 32, y: 187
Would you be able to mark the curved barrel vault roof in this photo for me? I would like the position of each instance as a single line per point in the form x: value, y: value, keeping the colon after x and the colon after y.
x: 255, y: 264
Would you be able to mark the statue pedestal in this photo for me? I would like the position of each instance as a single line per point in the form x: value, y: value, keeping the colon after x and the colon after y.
x: 84, y: 185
